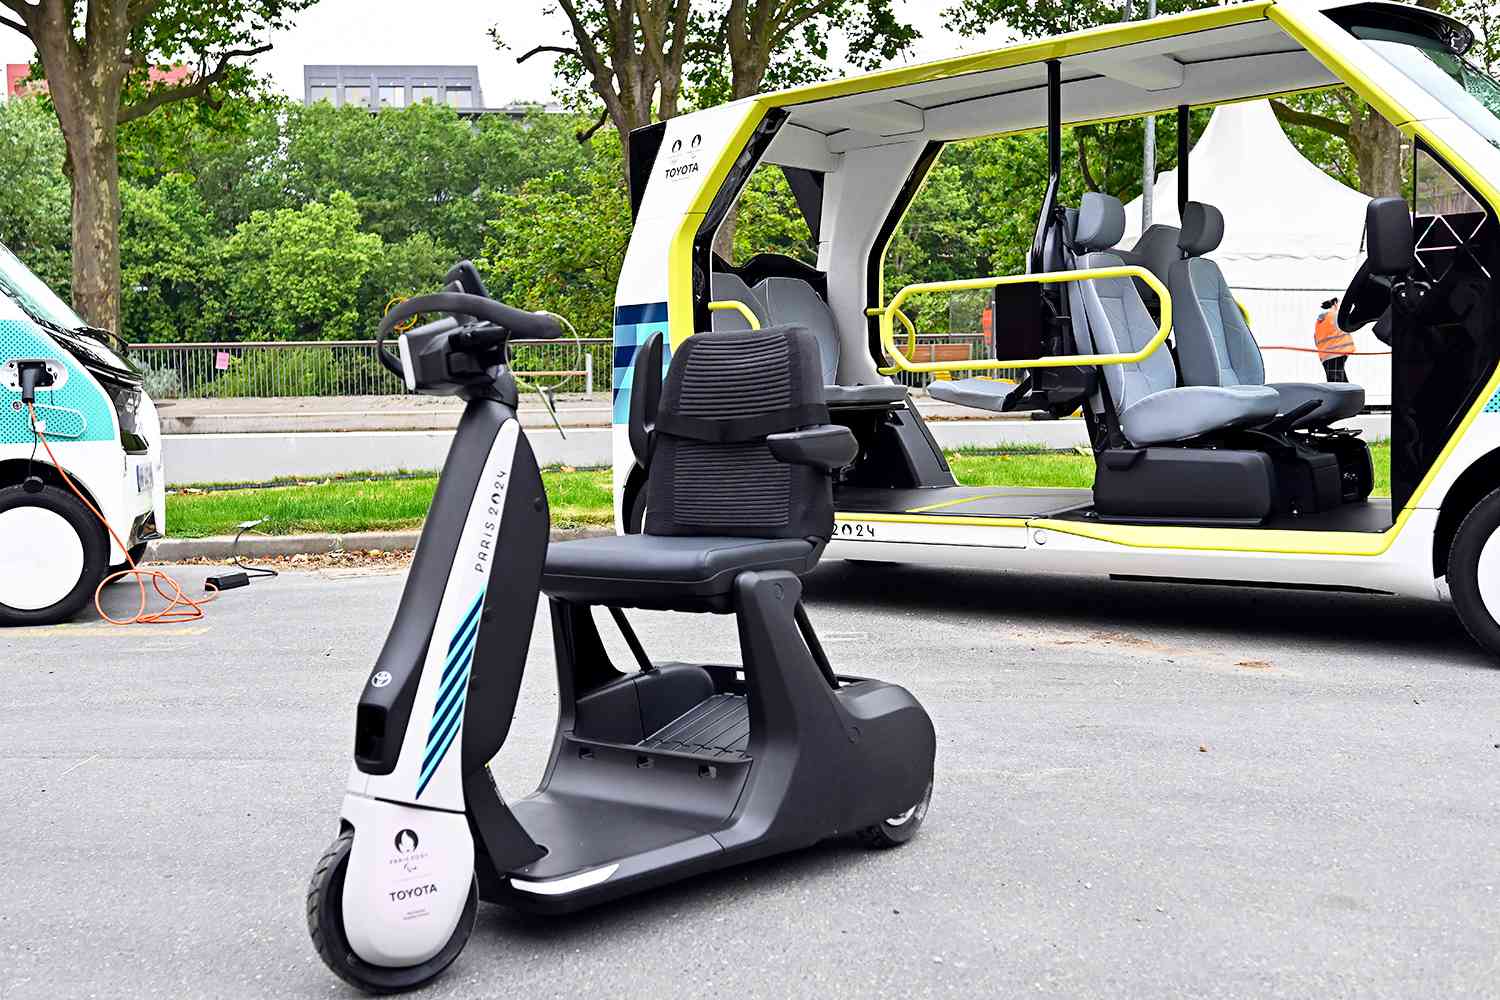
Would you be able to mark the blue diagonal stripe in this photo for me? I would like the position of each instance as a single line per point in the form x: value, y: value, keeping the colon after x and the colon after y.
x: 436, y: 750
x: 469, y: 617
x: 456, y: 691
x: 453, y: 685
x: 456, y: 679
x: 458, y: 654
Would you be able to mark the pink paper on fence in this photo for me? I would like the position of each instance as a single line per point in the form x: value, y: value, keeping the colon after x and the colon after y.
x: 221, y: 361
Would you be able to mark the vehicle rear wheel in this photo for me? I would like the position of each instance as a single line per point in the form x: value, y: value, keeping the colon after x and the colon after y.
x: 53, y: 554
x: 898, y: 829
x: 325, y: 922
x: 1474, y: 572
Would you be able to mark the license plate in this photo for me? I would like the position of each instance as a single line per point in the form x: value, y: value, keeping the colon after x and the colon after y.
x: 145, y: 478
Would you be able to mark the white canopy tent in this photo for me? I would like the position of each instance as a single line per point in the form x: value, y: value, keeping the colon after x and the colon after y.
x: 1292, y: 238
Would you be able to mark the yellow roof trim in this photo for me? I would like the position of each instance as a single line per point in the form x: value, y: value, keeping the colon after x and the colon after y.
x: 1022, y: 53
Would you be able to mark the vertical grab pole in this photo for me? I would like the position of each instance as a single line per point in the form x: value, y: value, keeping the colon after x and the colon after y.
x: 1184, y: 140
x: 1054, y: 119
x: 1054, y: 166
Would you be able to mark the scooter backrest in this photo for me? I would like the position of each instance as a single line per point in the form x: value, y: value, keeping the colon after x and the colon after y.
x: 712, y: 472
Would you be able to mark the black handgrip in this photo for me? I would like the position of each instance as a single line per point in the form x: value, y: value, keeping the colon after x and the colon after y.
x: 527, y: 325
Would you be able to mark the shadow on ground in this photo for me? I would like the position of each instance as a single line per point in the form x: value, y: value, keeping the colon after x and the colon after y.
x: 1406, y: 626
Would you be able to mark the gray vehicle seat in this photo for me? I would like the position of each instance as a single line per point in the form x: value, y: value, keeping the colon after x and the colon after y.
x: 1109, y: 317
x: 793, y: 302
x: 1214, y: 343
x: 1156, y: 251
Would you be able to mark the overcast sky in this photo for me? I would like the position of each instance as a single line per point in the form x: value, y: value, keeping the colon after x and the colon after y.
x: 457, y: 32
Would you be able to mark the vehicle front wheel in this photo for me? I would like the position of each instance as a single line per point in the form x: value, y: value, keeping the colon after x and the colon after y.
x: 325, y: 922
x: 1474, y: 572
x: 898, y: 829
x: 53, y: 554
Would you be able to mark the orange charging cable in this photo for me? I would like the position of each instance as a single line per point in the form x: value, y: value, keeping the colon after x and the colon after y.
x: 179, y: 608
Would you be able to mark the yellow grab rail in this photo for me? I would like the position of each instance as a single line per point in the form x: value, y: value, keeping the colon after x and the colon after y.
x: 911, y: 335
x: 737, y: 306
x: 904, y: 363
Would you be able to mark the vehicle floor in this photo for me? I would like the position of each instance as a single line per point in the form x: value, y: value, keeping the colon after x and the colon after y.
x: 1070, y: 505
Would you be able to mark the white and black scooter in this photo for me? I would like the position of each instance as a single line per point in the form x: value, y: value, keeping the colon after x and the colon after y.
x: 656, y: 774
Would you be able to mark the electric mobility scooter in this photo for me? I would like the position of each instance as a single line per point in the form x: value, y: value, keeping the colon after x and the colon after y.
x: 666, y: 771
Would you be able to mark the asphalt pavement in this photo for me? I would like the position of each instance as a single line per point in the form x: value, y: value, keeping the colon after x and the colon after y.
x: 1142, y: 791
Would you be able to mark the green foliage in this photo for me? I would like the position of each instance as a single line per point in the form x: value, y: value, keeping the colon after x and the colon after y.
x: 549, y: 246
x: 173, y: 288
x: 299, y: 271
x: 34, y: 197
x: 1035, y: 18
x: 769, y: 220
x: 869, y: 33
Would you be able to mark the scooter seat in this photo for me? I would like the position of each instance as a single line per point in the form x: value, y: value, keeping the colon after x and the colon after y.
x: 669, y: 572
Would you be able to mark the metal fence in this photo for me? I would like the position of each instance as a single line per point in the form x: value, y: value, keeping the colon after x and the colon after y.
x: 342, y: 368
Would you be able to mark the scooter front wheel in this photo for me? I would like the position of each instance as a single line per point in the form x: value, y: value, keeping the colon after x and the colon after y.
x: 325, y: 922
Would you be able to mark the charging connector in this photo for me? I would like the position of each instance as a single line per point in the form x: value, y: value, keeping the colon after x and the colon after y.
x: 32, y: 376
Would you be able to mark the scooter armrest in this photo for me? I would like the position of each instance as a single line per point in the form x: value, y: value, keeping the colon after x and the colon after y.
x: 827, y: 447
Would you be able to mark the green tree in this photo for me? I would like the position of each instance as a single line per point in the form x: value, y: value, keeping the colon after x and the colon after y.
x: 233, y: 150
x: 639, y: 60
x: 550, y: 247
x: 410, y: 170
x: 173, y: 273
x: 297, y: 273
x: 629, y: 56
x: 98, y: 59
x: 34, y: 194
x: 745, y: 46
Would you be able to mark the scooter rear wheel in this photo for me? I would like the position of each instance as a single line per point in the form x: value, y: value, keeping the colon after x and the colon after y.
x: 325, y: 922
x: 897, y: 830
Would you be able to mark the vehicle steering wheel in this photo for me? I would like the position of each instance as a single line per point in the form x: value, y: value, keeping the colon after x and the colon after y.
x: 1365, y: 301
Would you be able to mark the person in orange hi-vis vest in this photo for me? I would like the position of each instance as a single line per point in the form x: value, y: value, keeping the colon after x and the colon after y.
x: 1334, y: 345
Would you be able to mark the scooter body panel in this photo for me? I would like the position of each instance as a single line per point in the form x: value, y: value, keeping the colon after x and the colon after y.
x: 408, y: 880
x: 460, y: 640
x: 428, y: 771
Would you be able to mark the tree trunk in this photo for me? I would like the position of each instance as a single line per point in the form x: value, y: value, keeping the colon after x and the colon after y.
x: 1376, y: 145
x: 94, y: 170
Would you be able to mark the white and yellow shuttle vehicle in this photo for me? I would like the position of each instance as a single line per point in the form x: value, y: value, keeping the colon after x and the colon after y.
x: 1204, y: 471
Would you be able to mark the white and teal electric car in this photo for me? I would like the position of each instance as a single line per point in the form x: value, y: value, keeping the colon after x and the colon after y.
x: 1203, y: 472
x: 92, y: 407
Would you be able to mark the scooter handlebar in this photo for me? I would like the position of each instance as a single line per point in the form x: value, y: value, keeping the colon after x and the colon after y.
x: 517, y: 322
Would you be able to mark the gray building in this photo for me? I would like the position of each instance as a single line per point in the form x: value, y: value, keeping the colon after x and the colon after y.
x: 378, y: 87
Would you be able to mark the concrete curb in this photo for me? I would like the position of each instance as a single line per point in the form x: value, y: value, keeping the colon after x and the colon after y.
x: 274, y: 546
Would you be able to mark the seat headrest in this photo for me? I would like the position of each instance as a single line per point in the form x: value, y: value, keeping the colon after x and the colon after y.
x: 1202, y: 229
x: 1101, y: 222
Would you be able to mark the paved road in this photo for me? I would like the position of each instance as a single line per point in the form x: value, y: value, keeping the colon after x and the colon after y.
x: 1142, y: 791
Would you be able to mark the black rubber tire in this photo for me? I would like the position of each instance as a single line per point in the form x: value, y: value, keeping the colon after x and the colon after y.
x: 95, y: 553
x: 896, y: 831
x: 325, y: 922
x: 1482, y: 521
